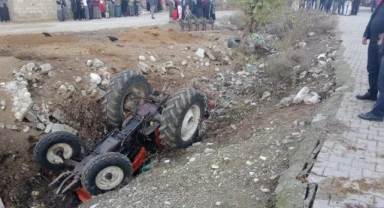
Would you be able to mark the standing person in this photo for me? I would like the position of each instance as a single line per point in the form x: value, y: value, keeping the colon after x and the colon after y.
x: 199, y: 5
x: 96, y: 9
x: 373, y: 5
x: 335, y: 6
x: 356, y: 7
x: 328, y: 6
x: 124, y: 6
x: 75, y: 9
x: 348, y: 7
x: 86, y: 9
x: 82, y: 11
x: 374, y: 28
x: 207, y: 9
x: 152, y: 4
x: 130, y: 8
x: 61, y: 10
x: 341, y: 7
x: 322, y: 5
x: 111, y: 8
x: 171, y: 6
x: 136, y: 6
x: 102, y: 8
x: 90, y: 8
x: 118, y: 8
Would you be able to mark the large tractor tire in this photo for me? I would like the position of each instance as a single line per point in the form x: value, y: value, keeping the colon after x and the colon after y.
x: 182, y: 118
x: 106, y: 172
x: 126, y: 91
x: 50, y: 150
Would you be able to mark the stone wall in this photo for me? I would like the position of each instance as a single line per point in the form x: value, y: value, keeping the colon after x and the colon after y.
x: 34, y: 10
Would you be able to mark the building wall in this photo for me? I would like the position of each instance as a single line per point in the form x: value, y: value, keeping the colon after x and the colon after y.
x: 34, y: 10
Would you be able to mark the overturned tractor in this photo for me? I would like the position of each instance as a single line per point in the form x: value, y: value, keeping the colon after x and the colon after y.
x: 143, y: 121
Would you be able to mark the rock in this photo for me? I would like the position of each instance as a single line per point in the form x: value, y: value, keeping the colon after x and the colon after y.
x: 302, y: 123
x: 144, y: 68
x: 83, y: 92
x: 2, y: 126
x: 266, y: 95
x: 238, y: 82
x: 233, y: 127
x: 40, y: 126
x: 45, y: 68
x: 52, y: 74
x: 142, y: 58
x: 256, y: 180
x: 167, y: 203
x: 95, y: 78
x: 302, y: 45
x: 215, y: 166
x: 263, y: 158
x: 300, y: 96
x: 59, y: 115
x: 311, y: 98
x: 210, y: 56
x: 89, y: 63
x: 169, y: 65
x: 247, y: 102
x: 218, y: 203
x: 97, y: 63
x: 207, y: 64
x: 62, y: 127
x: 152, y: 58
x: 71, y: 88
x: 208, y: 150
x: 249, y: 163
x: 318, y: 117
x: 35, y: 107
x: 311, y: 34
x: 286, y: 101
x: 2, y: 104
x: 167, y: 161
x: 183, y: 63
x: 287, y: 141
x: 62, y: 90
x: 264, y: 190
x: 48, y: 128
x: 26, y: 129
x: 30, y: 116
x: 200, y: 52
x: 78, y: 79
x: 303, y: 75
x: 342, y: 88
x: 192, y: 159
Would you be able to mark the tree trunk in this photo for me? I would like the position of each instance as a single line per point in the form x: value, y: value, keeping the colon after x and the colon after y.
x: 247, y: 31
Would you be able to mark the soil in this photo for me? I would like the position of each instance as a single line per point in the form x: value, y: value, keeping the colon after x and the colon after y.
x: 240, y: 140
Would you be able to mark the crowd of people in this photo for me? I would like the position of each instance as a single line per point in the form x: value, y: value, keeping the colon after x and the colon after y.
x: 4, y: 12
x: 341, y: 7
x: 198, y: 8
x: 97, y: 9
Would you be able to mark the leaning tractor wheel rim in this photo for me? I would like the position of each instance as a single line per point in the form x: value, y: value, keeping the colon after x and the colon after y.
x: 133, y: 99
x: 59, y: 151
x: 109, y: 178
x: 190, y: 123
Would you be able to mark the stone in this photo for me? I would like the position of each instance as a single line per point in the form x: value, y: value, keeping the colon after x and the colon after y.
x: 45, y: 68
x: 144, y: 68
x: 302, y: 45
x: 59, y: 115
x: 265, y: 95
x: 95, y: 78
x: 35, y: 107
x: 83, y: 92
x: 319, y: 117
x: 26, y: 129
x: 152, y: 58
x: 238, y: 82
x: 192, y: 159
x: 78, y: 79
x: 52, y: 74
x: 311, y: 34
x: 233, y: 127
x: 249, y: 163
x: 209, y: 150
x: 303, y: 75
x: 342, y: 88
x: 264, y: 190
x: 89, y: 63
x: 183, y: 63
x: 62, y: 90
x: 2, y: 104
x: 71, y: 88
x: 210, y: 56
x: 40, y: 126
x: 207, y: 64
x: 215, y: 166
x: 311, y: 98
x: 105, y: 82
x: 63, y: 127
x: 287, y: 141
x: 97, y: 63
x: 200, y: 53
x: 142, y: 58
x: 218, y: 203
x: 14, y: 127
x: 286, y: 101
x: 263, y: 158
x: 2, y: 126
x: 30, y: 116
x: 48, y: 128
x: 300, y: 96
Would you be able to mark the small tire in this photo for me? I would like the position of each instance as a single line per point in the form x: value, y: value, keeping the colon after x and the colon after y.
x: 106, y: 172
x: 121, y: 92
x: 234, y: 42
x: 50, y: 145
x: 182, y: 118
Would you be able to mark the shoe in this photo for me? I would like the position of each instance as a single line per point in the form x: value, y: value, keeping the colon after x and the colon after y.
x: 153, y: 18
x: 367, y: 96
x: 370, y: 116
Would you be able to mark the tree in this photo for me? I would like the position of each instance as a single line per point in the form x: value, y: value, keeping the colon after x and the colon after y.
x: 259, y: 12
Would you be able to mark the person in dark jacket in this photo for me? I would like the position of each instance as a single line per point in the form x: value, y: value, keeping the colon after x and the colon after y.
x: 373, y: 5
x: 90, y: 8
x: 153, y: 4
x: 373, y: 33
x: 76, y: 9
x: 355, y: 7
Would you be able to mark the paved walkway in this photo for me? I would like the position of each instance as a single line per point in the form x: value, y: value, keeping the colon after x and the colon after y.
x: 350, y: 167
x: 78, y: 26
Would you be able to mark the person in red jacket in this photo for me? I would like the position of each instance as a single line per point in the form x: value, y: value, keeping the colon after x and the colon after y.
x: 102, y: 7
x: 96, y: 9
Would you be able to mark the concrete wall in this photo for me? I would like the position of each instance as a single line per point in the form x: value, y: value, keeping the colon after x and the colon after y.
x: 34, y: 10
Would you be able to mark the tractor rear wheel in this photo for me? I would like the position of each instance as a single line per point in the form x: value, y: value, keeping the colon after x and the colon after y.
x: 106, y: 172
x: 52, y: 148
x: 125, y: 93
x: 182, y: 118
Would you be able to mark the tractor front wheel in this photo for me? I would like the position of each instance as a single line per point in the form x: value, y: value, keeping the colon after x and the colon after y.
x: 106, y: 172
